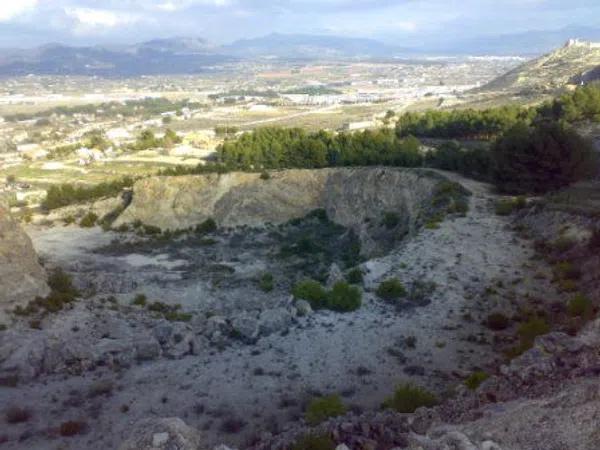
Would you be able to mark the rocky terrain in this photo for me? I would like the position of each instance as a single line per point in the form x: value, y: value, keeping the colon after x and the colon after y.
x: 575, y: 62
x: 21, y: 276
x: 177, y: 342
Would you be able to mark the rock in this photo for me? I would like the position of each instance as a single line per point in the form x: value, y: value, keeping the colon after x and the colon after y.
x: 349, y: 196
x: 246, y: 327
x: 274, y: 320
x: 303, y: 308
x: 342, y: 447
x: 21, y: 276
x: 160, y: 439
x: 146, y: 349
x: 162, y: 434
x: 335, y: 275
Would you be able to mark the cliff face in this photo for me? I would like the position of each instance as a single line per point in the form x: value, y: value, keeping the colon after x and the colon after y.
x: 21, y: 276
x: 356, y: 198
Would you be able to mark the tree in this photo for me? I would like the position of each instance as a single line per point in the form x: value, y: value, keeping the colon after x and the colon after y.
x: 542, y: 158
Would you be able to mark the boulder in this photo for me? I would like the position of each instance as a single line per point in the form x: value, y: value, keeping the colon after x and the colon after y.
x: 303, y: 308
x: 335, y: 275
x: 162, y: 434
x: 274, y: 321
x: 21, y: 276
x: 246, y: 327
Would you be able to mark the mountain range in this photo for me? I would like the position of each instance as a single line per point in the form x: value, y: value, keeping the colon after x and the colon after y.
x: 194, y: 55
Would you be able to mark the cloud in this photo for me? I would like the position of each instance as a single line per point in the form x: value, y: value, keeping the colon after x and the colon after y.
x: 100, y: 18
x: 9, y: 9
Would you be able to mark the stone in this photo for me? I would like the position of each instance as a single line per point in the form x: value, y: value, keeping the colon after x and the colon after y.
x: 162, y: 434
x: 246, y: 327
x: 342, y: 447
x: 160, y: 439
x: 303, y: 308
x: 274, y: 320
x: 335, y: 275
x: 22, y: 278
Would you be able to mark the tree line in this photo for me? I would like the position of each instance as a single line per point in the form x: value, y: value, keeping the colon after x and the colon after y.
x: 487, y: 124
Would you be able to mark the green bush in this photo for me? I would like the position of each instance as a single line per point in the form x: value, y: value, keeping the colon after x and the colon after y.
x: 531, y: 329
x: 474, y: 380
x: 89, y: 220
x: 139, y: 300
x: 267, y: 282
x: 322, y: 408
x: 206, y: 227
x: 344, y: 298
x: 390, y: 220
x: 68, y: 194
x: 391, y: 290
x: 541, y: 158
x: 314, y: 442
x: 579, y: 306
x: 408, y: 397
x: 311, y: 291
x: 355, y: 276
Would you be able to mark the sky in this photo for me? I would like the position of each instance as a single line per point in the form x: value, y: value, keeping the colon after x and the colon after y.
x: 26, y: 23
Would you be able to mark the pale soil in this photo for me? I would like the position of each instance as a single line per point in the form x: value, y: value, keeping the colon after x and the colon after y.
x: 324, y: 353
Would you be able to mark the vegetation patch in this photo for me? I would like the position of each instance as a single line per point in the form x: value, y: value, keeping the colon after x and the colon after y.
x: 474, y: 380
x: 322, y: 408
x: 314, y: 442
x: 391, y: 290
x: 341, y: 298
x: 408, y: 397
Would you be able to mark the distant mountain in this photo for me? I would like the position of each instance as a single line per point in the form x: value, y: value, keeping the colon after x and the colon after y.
x: 302, y: 46
x: 571, y: 63
x: 534, y: 42
x: 167, y: 56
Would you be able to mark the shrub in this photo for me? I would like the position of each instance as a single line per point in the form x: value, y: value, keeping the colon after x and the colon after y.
x: 89, y: 220
x: 408, y: 397
x: 67, y: 194
x: 206, y: 227
x: 497, y: 322
x: 322, y: 408
x: 311, y: 291
x: 542, y: 158
x: 15, y: 414
x: 579, y: 306
x: 139, y: 300
x: 344, y: 298
x: 355, y: 276
x: 60, y: 281
x: 314, y: 442
x: 474, y: 380
x: 71, y: 428
x: 390, y: 220
x: 266, y: 282
x: 564, y: 244
x: 391, y: 290
x: 531, y: 329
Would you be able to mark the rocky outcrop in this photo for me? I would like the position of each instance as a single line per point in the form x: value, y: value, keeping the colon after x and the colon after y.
x: 162, y: 434
x: 543, y: 399
x: 21, y: 276
x: 356, y: 198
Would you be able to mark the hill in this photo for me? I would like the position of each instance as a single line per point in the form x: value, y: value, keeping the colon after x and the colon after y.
x: 567, y: 65
x: 291, y: 46
x: 165, y: 56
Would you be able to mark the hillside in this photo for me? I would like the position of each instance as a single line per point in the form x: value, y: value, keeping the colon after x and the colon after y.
x: 552, y: 71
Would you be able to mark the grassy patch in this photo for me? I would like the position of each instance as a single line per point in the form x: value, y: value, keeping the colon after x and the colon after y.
x: 391, y: 290
x: 322, y: 408
x: 408, y: 397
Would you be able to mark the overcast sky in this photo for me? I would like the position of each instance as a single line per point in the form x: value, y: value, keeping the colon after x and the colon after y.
x: 405, y: 22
